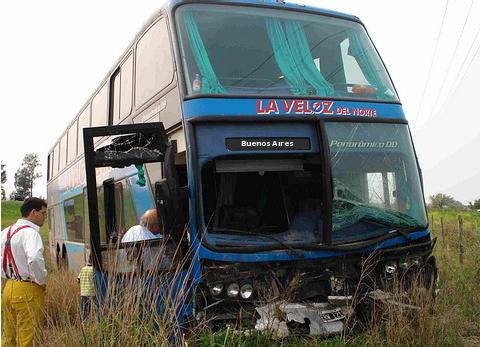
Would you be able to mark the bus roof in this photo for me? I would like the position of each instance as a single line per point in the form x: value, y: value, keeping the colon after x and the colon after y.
x: 280, y: 4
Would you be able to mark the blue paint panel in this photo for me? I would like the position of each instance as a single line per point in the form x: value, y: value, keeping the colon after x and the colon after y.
x: 142, y: 197
x: 205, y: 253
x: 245, y: 107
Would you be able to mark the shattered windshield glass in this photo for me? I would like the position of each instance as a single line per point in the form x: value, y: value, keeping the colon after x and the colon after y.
x: 376, y: 180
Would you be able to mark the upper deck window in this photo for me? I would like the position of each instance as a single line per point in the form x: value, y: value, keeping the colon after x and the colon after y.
x: 154, y: 64
x: 100, y: 107
x: 252, y: 51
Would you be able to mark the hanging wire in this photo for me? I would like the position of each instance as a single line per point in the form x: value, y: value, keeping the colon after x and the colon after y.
x: 455, y: 51
x: 422, y: 99
x: 459, y: 74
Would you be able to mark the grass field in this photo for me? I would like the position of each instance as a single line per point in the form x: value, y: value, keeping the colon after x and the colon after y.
x: 10, y: 214
x: 452, y: 320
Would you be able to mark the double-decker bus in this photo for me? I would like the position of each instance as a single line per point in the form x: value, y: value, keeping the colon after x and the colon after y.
x: 288, y: 141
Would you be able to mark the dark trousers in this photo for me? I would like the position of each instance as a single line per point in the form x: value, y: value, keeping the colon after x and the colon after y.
x: 87, y: 304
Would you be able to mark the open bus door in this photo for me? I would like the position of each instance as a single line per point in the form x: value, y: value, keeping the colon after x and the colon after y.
x: 131, y: 144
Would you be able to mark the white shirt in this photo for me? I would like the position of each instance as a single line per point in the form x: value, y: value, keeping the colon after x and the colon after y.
x: 139, y: 233
x: 27, y: 250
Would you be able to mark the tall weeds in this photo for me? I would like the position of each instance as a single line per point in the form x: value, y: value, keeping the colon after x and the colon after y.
x: 129, y: 315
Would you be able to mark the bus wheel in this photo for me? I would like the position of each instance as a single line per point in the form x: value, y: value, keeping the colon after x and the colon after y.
x: 64, y: 258
x: 61, y: 257
x: 58, y: 258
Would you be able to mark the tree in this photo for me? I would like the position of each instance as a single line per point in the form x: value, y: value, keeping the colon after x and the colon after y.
x: 25, y: 175
x: 474, y: 205
x: 4, y: 179
x: 444, y: 201
x: 4, y: 174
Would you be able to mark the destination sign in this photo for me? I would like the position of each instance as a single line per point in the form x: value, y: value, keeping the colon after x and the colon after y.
x: 268, y: 144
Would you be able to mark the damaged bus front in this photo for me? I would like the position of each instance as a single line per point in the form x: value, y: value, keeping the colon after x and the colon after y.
x: 313, y: 219
x: 306, y: 198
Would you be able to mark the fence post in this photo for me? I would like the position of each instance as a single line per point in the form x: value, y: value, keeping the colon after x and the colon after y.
x: 443, y: 232
x: 460, y: 230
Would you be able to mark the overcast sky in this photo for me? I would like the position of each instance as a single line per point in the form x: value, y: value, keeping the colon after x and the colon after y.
x: 55, y: 53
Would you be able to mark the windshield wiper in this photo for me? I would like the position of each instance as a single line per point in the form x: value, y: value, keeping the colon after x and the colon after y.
x: 402, y: 231
x: 252, y: 233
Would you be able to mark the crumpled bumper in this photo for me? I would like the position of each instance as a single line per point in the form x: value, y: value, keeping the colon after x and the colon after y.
x: 321, y: 318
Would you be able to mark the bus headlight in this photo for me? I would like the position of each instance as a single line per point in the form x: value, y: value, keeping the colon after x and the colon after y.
x: 233, y: 290
x: 246, y: 291
x: 404, y: 264
x: 216, y: 289
x: 390, y: 267
x: 416, y: 261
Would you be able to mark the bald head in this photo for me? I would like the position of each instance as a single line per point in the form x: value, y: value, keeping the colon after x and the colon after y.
x: 149, y: 218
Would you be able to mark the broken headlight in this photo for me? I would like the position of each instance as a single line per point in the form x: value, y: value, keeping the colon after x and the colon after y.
x: 216, y: 289
x: 404, y: 264
x: 233, y: 290
x: 416, y: 261
x: 246, y: 291
x: 390, y: 267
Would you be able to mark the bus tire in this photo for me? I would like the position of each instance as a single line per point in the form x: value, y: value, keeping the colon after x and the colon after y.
x: 64, y: 258
x: 58, y: 257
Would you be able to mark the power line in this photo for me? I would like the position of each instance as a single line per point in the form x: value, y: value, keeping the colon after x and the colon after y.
x: 451, y: 59
x: 432, y: 60
x: 464, y: 62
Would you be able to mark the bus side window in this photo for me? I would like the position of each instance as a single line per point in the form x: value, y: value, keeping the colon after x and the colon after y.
x: 128, y: 206
x: 83, y: 122
x: 153, y: 75
x: 100, y: 107
x: 63, y: 152
x: 73, y: 209
x: 72, y: 142
x: 125, y: 214
x: 126, y: 87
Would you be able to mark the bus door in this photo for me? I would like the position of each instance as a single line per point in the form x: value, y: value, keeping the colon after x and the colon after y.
x: 113, y: 256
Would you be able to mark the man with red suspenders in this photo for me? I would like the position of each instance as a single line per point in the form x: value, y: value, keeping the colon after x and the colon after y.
x: 23, y: 268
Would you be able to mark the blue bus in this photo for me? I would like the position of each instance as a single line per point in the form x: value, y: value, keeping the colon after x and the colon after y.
x: 279, y: 154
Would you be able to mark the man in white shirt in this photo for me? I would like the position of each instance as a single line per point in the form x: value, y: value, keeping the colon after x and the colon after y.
x: 149, y: 228
x: 23, y: 268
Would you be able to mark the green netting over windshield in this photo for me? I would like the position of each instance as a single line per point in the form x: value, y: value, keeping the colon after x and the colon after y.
x: 304, y: 60
x: 294, y: 58
x: 210, y: 82
x: 141, y: 175
x: 350, y: 209
x: 357, y: 50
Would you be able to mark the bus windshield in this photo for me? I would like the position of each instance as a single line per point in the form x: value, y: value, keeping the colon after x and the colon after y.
x: 234, y: 50
x: 375, y: 179
x: 263, y: 200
